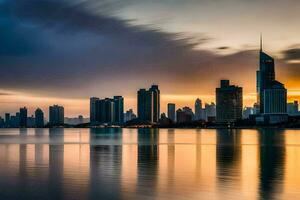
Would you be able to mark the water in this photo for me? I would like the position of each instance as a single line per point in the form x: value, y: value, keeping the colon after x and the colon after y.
x: 149, y: 164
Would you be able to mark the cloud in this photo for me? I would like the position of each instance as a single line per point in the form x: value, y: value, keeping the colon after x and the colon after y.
x: 70, y: 49
x: 223, y: 48
x: 292, y: 54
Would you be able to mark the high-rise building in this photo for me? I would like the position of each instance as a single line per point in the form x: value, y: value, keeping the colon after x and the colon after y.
x: 275, y: 99
x: 172, y: 111
x: 107, y: 111
x: 7, y: 120
x: 39, y: 118
x: 156, y: 102
x: 118, y: 110
x: 56, y: 115
x: 93, y: 109
x: 149, y: 104
x: 23, y: 117
x: 271, y: 94
x: 229, y: 100
x: 198, y: 109
x: 144, y: 101
x: 293, y: 108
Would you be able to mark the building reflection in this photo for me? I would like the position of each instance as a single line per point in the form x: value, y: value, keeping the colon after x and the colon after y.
x: 228, y: 154
x: 272, y: 162
x: 171, y: 156
x: 105, y: 165
x: 56, y: 163
x: 148, y: 151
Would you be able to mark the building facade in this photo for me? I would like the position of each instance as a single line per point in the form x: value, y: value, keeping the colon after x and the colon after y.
x: 107, y: 111
x: 118, y: 109
x: 172, y: 111
x: 198, y: 110
x: 148, y: 104
x: 93, y: 109
x: 23, y: 117
x: 56, y: 115
x: 293, y: 108
x: 39, y: 118
x: 229, y: 99
x: 183, y: 116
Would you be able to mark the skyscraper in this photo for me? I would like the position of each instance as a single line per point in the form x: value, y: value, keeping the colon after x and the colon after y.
x: 156, y: 102
x: 198, y: 109
x: 149, y: 104
x: 145, y: 105
x: 108, y: 111
x: 229, y: 99
x: 93, y: 109
x: 39, y: 118
x: 271, y: 94
x: 118, y: 110
x: 56, y: 115
x: 171, y: 111
x: 23, y: 117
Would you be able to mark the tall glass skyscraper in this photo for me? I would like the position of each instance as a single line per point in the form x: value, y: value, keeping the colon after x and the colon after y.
x: 271, y: 94
x: 149, y: 104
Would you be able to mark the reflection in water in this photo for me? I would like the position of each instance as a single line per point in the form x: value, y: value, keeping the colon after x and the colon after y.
x: 228, y: 154
x: 105, y: 165
x: 272, y: 153
x: 149, y: 163
x: 56, y: 163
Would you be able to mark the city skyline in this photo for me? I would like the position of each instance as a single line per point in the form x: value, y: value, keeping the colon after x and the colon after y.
x: 185, y: 57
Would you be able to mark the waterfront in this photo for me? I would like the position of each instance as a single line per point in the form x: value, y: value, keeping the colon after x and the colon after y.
x: 116, y: 163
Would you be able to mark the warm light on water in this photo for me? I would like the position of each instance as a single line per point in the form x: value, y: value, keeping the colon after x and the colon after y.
x: 149, y: 163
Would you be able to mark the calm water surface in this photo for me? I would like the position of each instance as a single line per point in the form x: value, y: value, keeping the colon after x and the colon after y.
x: 149, y: 164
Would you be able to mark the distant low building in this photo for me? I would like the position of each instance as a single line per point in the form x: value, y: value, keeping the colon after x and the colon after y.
x: 247, y: 111
x: 209, y: 113
x: 293, y: 108
x: 31, y: 121
x: 129, y: 115
x: 184, y: 115
x: 76, y: 120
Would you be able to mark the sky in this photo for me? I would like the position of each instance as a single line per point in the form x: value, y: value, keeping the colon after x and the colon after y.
x: 65, y: 51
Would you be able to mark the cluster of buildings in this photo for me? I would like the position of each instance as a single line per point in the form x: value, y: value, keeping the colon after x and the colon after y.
x: 22, y: 120
x: 185, y: 115
x: 107, y: 111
